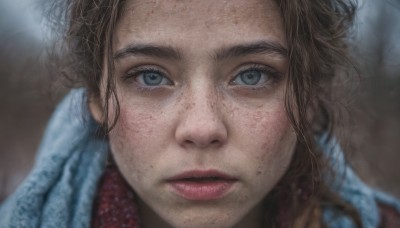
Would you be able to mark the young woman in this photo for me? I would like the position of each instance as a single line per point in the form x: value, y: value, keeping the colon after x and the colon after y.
x: 199, y: 114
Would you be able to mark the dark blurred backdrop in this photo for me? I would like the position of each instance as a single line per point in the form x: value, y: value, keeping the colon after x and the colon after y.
x: 28, y: 94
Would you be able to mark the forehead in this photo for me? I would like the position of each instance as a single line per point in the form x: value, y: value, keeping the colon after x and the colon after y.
x: 199, y: 23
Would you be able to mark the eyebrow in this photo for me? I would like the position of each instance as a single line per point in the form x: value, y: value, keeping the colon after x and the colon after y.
x: 260, y: 47
x: 167, y: 52
x: 148, y: 50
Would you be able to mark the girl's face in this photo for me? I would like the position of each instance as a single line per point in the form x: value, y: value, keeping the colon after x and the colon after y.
x: 202, y: 135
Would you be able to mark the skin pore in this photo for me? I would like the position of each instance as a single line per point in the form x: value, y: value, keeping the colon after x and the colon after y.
x: 201, y: 87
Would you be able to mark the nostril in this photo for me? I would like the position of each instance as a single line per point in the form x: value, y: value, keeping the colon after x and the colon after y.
x: 202, y: 143
x: 189, y: 142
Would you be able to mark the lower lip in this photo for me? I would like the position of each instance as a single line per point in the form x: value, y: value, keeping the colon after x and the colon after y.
x: 202, y: 191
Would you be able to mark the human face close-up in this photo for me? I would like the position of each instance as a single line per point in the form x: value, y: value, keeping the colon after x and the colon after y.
x: 202, y: 136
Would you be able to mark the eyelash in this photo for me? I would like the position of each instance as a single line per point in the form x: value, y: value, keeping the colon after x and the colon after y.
x: 132, y: 76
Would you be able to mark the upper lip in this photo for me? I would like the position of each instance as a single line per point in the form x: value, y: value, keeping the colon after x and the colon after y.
x: 193, y: 174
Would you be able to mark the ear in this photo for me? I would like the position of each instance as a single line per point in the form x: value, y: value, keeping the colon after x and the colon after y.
x: 95, y: 108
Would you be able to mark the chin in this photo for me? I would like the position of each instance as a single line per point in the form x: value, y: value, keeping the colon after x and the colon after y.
x: 207, y: 218
x: 203, y: 221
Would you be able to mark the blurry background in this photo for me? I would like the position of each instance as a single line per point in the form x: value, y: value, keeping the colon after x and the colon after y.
x: 28, y: 94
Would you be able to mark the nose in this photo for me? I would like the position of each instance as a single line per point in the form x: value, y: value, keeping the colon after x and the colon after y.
x: 201, y: 124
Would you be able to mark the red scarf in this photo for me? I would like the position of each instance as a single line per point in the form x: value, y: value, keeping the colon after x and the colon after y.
x: 115, y: 204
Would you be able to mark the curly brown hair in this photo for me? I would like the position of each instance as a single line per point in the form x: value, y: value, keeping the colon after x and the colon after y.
x: 316, y: 33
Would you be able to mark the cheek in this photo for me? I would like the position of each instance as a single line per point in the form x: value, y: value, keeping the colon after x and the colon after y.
x: 267, y: 126
x: 278, y: 142
x: 131, y: 136
x: 277, y: 132
x: 269, y: 134
x: 133, y: 127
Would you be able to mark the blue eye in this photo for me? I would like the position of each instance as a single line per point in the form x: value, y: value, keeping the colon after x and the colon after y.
x: 251, y: 77
x: 150, y: 77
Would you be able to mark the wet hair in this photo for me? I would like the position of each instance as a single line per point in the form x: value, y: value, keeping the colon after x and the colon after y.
x: 316, y: 33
